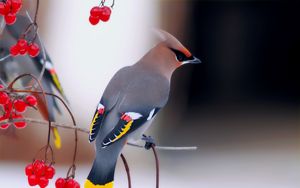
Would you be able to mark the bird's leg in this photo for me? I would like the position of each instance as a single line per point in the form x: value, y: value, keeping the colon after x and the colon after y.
x: 149, y: 142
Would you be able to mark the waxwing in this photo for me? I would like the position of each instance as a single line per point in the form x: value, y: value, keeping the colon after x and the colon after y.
x: 130, y: 102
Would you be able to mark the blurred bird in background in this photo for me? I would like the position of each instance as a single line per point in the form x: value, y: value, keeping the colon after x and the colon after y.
x: 11, y: 67
x: 130, y: 102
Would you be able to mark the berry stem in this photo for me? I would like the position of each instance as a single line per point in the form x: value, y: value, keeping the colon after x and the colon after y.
x: 33, y: 25
x: 10, y: 88
x: 28, y: 30
x: 44, y: 56
x: 127, y: 169
x: 73, y: 166
x: 113, y: 4
x: 2, y: 82
x: 36, y: 11
x: 102, y: 3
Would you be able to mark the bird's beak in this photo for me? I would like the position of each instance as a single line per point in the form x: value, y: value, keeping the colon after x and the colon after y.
x: 195, y: 60
x: 192, y: 60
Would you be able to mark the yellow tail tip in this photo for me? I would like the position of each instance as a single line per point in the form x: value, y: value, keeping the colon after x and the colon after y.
x: 57, y: 139
x: 89, y: 184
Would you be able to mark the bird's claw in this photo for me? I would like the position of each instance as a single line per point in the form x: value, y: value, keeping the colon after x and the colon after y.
x: 149, y: 142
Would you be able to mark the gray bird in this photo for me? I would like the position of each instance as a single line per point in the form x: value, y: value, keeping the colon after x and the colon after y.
x: 129, y: 104
x: 12, y: 67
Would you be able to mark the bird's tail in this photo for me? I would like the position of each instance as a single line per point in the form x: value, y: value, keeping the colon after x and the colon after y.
x: 103, y: 169
x: 101, y: 174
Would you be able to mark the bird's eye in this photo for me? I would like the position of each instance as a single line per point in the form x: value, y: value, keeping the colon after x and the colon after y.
x: 180, y: 58
x: 179, y: 55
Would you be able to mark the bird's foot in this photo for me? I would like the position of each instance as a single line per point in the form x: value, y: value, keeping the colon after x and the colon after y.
x: 150, y: 142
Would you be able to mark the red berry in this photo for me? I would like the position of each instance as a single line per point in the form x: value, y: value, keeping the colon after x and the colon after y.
x: 4, y: 126
x: 105, y: 14
x: 3, y: 10
x: 43, y: 182
x: 94, y: 20
x: 49, y: 173
x: 7, y: 109
x: 77, y: 185
x: 60, y: 183
x: 10, y: 18
x: 22, y: 43
x: 16, y: 5
x: 4, y: 98
x: 14, y: 50
x: 31, y: 100
x: 70, y: 183
x: 39, y: 169
x: 1, y: 86
x: 33, y: 180
x: 96, y: 11
x: 20, y: 105
x: 23, y: 46
x: 6, y: 9
x: 23, y: 51
x: 29, y: 170
x: 33, y: 50
x: 20, y: 124
x: 37, y: 162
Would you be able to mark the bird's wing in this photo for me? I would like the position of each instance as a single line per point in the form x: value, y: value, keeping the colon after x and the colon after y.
x: 96, y: 123
x: 107, y: 102
x: 146, y: 94
x: 128, y: 122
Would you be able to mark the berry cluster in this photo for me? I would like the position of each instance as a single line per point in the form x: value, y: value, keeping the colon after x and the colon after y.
x: 66, y: 183
x: 39, y: 173
x: 99, y: 13
x: 22, y: 47
x: 13, y: 106
x: 9, y: 10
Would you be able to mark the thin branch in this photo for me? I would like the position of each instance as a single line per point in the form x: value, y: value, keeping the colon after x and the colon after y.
x: 127, y: 170
x: 54, y: 124
x: 36, y: 10
x: 5, y: 57
x: 170, y: 148
x: 156, y: 165
x: 43, y: 50
x: 67, y: 126
x: 3, y: 82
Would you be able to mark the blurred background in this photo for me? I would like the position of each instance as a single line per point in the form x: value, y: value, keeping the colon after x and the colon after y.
x: 240, y: 106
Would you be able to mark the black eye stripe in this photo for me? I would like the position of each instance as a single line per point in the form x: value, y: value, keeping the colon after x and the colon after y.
x: 180, y: 56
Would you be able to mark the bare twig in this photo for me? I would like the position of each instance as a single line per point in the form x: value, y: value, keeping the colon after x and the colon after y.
x: 167, y: 147
x: 54, y: 124
x: 36, y: 10
x: 127, y: 169
x: 67, y: 126
x: 3, y: 82
x: 153, y: 147
x: 5, y: 57
x: 43, y: 50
